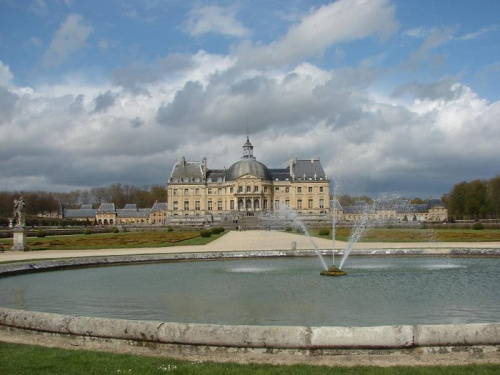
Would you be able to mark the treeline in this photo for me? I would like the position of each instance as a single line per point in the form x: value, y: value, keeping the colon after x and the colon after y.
x: 478, y: 199
x: 51, y: 202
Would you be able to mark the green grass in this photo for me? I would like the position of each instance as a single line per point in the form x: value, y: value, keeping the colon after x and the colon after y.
x: 117, y: 240
x: 419, y: 235
x: 18, y: 359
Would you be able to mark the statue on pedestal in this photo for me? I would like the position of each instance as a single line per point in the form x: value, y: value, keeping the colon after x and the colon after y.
x: 19, y: 231
x: 19, y: 214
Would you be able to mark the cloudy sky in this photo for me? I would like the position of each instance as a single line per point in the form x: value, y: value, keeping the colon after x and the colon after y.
x: 393, y: 96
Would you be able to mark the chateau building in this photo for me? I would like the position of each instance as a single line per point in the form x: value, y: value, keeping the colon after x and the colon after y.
x: 248, y: 186
x: 108, y: 214
x: 399, y: 211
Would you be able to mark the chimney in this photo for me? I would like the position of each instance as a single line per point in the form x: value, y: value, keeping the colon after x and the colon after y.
x: 291, y: 168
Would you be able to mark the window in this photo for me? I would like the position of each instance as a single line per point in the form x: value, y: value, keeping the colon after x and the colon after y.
x: 310, y: 203
x: 186, y: 191
x: 231, y: 190
x: 249, y: 189
x: 276, y: 189
x: 219, y: 179
x: 219, y: 191
x: 265, y: 204
x: 287, y: 203
x: 240, y: 189
x: 209, y: 191
x: 186, y: 205
x: 310, y: 189
x: 176, y: 205
x: 321, y: 203
x: 219, y: 206
x: 197, y: 191
x: 186, y: 179
x: 210, y: 205
x: 255, y: 189
x: 299, y: 204
x: 197, y: 205
x: 299, y: 190
x: 175, y: 192
x: 231, y: 205
x: 287, y: 189
x: 265, y: 189
x: 276, y: 204
x: 209, y: 180
x: 321, y: 189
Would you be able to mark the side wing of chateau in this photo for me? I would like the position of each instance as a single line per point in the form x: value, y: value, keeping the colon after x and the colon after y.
x: 248, y: 186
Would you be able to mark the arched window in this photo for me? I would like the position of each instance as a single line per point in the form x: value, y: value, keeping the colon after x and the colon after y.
x: 256, y: 204
x: 240, y: 204
x: 248, y: 204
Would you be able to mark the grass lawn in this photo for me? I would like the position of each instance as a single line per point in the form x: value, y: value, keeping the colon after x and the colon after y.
x: 24, y: 359
x: 419, y: 235
x: 117, y: 240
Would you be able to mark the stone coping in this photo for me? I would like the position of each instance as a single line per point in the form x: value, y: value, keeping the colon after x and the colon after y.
x: 271, y: 337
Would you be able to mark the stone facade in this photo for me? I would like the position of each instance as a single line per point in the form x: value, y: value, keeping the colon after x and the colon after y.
x: 108, y: 214
x: 248, y: 187
x: 398, y: 211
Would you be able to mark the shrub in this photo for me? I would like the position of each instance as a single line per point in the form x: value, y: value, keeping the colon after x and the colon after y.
x: 170, y: 229
x: 205, y: 233
x: 324, y: 231
x: 478, y: 226
x: 40, y: 233
x: 87, y: 231
x: 288, y: 229
x: 215, y: 230
x: 115, y: 230
x: 221, y: 229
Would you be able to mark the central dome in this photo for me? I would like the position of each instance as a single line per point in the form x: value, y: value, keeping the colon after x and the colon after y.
x: 248, y: 166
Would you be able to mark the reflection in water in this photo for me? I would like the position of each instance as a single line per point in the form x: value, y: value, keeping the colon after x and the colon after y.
x: 377, y: 291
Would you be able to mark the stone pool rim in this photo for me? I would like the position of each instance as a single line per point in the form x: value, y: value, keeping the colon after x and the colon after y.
x: 187, y: 339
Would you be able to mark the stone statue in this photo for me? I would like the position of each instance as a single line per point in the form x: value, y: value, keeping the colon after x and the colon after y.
x: 19, y: 214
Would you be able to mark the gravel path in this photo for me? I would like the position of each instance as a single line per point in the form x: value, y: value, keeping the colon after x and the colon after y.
x: 248, y: 241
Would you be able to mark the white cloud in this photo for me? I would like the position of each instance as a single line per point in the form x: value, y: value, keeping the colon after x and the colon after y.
x: 215, y: 19
x: 39, y: 7
x: 6, y: 75
x: 418, y: 32
x: 478, y: 33
x: 68, y: 39
x: 436, y: 38
x: 341, y: 21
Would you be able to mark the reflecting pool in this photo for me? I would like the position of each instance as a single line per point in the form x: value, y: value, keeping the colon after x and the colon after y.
x: 289, y: 291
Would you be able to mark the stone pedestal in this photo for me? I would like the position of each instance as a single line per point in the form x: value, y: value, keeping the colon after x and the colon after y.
x: 19, y: 239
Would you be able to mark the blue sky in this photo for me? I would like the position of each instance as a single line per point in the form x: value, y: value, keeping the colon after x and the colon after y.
x: 395, y: 96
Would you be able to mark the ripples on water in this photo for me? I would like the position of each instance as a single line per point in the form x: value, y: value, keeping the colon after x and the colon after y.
x: 376, y: 291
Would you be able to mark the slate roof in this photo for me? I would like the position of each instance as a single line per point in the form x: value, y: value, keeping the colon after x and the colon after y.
x: 159, y: 206
x: 139, y: 213
x: 187, y: 171
x: 80, y: 213
x: 307, y: 169
x: 106, y: 208
x: 217, y: 174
